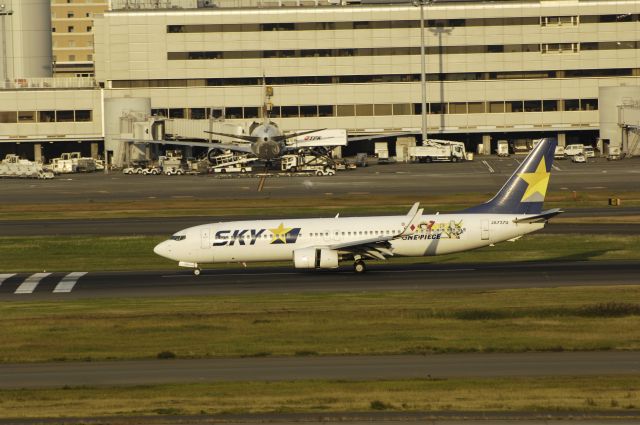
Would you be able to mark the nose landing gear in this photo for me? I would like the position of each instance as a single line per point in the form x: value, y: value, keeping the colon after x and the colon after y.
x: 197, y: 271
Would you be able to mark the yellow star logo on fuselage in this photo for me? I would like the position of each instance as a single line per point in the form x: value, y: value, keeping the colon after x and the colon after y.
x: 537, y: 182
x: 280, y: 233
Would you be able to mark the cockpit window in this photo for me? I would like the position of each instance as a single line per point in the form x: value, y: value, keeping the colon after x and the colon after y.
x: 178, y: 237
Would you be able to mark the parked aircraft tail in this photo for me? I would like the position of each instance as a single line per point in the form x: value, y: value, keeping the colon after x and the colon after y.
x: 525, y: 190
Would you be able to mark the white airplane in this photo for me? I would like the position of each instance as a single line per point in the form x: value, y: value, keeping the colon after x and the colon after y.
x: 321, y: 243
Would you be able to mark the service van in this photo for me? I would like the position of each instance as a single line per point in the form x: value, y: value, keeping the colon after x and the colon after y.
x: 571, y: 150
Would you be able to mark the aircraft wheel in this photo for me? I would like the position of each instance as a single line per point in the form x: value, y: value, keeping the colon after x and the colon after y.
x: 197, y: 272
x: 359, y: 267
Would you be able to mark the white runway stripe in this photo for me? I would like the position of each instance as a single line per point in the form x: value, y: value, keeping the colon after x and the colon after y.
x: 491, y: 170
x: 29, y: 285
x: 5, y: 276
x: 68, y: 282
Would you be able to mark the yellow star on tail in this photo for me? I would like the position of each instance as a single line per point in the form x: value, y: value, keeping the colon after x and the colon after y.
x: 537, y: 182
x: 280, y: 233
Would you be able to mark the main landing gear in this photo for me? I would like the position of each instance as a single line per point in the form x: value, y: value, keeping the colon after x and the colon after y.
x: 197, y: 271
x: 359, y: 266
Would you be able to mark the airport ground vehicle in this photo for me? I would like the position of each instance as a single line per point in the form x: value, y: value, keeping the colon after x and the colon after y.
x: 579, y: 157
x: 438, y: 150
x: 589, y: 152
x: 559, y: 153
x: 319, y: 165
x: 133, y: 170
x: 151, y: 171
x: 382, y: 152
x: 321, y: 243
x: 503, y: 148
x: 571, y: 150
x: 173, y: 171
x: 14, y: 166
x: 233, y: 169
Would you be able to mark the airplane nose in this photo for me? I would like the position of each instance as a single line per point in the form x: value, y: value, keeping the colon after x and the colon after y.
x: 162, y: 249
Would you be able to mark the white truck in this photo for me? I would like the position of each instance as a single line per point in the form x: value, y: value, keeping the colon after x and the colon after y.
x: 73, y: 162
x: 438, y: 150
x: 382, y: 152
x: 575, y: 149
x: 13, y: 166
x: 503, y: 148
x: 318, y: 165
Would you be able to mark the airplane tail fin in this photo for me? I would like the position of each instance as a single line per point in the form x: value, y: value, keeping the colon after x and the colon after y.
x: 525, y: 190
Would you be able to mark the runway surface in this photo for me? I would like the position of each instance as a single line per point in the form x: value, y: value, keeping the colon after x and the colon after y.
x: 379, y: 277
x: 310, y: 368
x: 393, y: 179
x: 170, y: 225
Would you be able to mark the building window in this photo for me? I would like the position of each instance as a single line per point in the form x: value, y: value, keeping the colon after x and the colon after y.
x: 176, y: 113
x: 533, y: 106
x: 402, y: 109
x: 326, y: 111
x: 289, y: 111
x: 383, y: 109
x: 589, y: 104
x: 8, y: 117
x: 365, y: 110
x: 27, y: 116
x: 233, y: 113
x: 71, y: 29
x: 572, y: 105
x: 345, y: 110
x: 64, y: 116
x: 84, y: 115
x: 550, y: 105
x: 46, y: 116
x: 251, y: 112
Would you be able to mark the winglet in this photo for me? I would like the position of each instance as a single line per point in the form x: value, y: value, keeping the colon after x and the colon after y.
x: 413, y: 219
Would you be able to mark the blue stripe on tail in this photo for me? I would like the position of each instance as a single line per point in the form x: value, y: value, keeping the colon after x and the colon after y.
x: 525, y: 190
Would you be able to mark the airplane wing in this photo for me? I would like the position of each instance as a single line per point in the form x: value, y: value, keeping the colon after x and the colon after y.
x: 245, y: 138
x: 380, y: 247
x: 222, y: 146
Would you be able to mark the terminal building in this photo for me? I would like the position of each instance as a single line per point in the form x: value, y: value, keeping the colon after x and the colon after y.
x: 503, y: 70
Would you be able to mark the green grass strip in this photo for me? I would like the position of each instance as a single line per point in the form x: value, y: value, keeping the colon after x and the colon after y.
x: 92, y: 253
x: 607, y: 393
x: 518, y: 320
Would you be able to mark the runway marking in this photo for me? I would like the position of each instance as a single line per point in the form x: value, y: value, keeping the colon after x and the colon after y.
x: 491, y: 170
x: 5, y: 276
x: 30, y: 283
x: 596, y: 187
x: 68, y: 282
x: 555, y: 167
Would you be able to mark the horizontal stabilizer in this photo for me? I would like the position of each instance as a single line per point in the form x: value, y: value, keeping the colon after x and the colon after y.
x: 539, y: 218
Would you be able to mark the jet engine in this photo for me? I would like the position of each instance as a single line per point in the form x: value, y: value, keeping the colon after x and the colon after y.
x: 315, y: 258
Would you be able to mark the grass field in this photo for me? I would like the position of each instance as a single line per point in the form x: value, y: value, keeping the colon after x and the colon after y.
x: 301, y: 206
x: 517, y: 394
x: 91, y: 253
x: 575, y: 318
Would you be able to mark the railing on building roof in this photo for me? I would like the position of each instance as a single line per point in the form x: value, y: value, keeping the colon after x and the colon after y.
x: 49, y: 83
x: 159, y: 4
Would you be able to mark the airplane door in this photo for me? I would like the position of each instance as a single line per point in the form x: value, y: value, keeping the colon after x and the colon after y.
x: 205, y: 241
x: 485, y: 230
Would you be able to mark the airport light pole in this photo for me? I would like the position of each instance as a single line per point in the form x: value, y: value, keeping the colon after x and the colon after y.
x: 423, y: 68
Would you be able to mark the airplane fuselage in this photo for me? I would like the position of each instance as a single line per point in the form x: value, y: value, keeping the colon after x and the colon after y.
x: 277, y: 240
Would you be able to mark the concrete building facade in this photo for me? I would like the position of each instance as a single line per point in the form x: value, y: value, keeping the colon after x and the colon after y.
x: 72, y: 35
x: 497, y: 70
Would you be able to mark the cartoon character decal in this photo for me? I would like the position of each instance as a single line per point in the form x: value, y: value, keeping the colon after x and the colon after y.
x: 433, y: 230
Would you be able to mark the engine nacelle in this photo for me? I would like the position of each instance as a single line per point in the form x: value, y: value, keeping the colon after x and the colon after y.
x: 315, y: 258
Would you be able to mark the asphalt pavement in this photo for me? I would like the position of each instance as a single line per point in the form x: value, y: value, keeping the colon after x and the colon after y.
x: 440, y: 366
x: 263, y: 280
